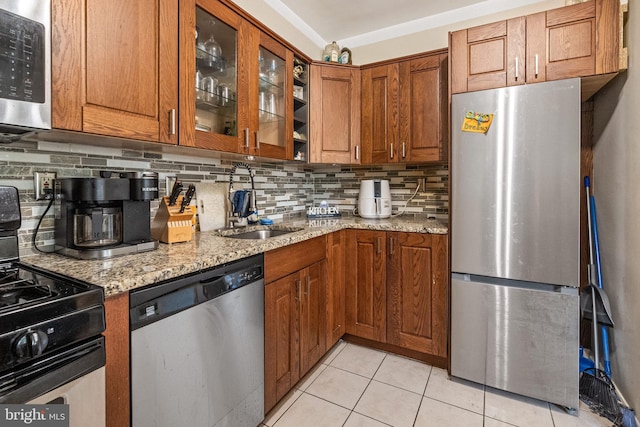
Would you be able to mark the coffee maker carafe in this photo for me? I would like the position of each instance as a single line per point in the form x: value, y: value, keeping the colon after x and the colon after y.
x: 104, y: 217
x: 97, y: 226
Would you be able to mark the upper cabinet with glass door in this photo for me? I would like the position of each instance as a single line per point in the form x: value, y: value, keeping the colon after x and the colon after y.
x: 213, y: 61
x: 272, y: 133
x: 235, y: 83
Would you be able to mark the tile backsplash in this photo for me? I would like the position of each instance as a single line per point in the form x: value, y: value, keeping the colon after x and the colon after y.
x: 284, y: 190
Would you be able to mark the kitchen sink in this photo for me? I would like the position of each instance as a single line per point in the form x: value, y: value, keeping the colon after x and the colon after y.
x: 261, y: 234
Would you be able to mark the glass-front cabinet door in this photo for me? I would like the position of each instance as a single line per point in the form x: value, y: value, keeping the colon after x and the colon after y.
x: 273, y: 132
x: 216, y: 82
x: 211, y: 61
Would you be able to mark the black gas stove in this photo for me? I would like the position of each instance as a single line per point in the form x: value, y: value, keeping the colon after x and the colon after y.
x: 49, y: 323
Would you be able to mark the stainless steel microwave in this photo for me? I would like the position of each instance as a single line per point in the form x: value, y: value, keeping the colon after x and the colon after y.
x: 25, y: 67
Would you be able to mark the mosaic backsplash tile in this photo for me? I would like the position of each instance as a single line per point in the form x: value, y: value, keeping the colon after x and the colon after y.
x: 284, y: 190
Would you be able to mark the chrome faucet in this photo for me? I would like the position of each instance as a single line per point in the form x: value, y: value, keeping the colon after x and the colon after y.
x: 232, y: 220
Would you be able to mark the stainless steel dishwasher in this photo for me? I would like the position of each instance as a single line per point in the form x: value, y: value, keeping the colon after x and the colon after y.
x: 197, y: 349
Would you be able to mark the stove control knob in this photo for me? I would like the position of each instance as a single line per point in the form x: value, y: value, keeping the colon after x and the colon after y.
x: 31, y: 344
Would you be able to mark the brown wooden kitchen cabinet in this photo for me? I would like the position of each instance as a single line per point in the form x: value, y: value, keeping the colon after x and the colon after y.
x: 404, y: 106
x: 488, y: 56
x: 206, y: 119
x: 114, y: 68
x: 271, y: 130
x: 117, y: 366
x: 580, y: 40
x: 397, y: 289
x: 295, y: 315
x: 281, y: 337
x: 574, y: 41
x: 417, y: 292
x: 380, y: 113
x: 423, y: 109
x: 366, y: 289
x: 235, y: 83
x: 336, y: 268
x: 334, y: 99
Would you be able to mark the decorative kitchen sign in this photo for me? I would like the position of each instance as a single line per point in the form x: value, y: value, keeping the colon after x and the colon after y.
x: 477, y: 122
x: 323, y: 211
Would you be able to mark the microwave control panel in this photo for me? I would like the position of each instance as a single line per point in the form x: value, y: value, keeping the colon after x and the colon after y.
x: 22, y: 58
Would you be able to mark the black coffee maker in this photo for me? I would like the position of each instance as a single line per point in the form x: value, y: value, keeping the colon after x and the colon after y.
x: 104, y: 217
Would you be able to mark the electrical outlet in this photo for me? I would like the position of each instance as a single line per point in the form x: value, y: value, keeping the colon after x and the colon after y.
x: 43, y: 184
x: 422, y: 185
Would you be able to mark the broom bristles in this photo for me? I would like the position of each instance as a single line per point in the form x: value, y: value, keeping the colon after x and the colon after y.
x: 599, y: 393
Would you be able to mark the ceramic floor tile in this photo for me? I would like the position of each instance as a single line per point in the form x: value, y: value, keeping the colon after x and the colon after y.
x: 308, y: 379
x: 281, y: 407
x: 585, y: 417
x: 339, y: 387
x: 490, y: 422
x: 436, y: 413
x: 388, y: 404
x: 310, y: 411
x: 464, y: 394
x: 331, y: 354
x: 359, y: 360
x: 358, y: 420
x: 515, y: 409
x: 403, y: 373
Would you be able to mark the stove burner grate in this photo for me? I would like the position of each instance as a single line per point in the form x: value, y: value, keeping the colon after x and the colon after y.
x: 14, y: 290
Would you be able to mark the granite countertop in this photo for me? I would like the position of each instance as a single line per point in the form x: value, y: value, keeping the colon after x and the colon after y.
x: 209, y: 249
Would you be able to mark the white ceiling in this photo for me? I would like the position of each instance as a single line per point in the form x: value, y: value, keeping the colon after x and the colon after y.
x: 361, y: 22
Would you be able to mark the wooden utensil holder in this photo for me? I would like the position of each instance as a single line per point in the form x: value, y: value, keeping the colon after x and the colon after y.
x: 171, y: 226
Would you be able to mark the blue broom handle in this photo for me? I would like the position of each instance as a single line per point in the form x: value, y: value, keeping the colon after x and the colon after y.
x: 605, y: 333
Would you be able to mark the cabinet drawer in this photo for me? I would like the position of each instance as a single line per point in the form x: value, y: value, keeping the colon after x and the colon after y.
x: 289, y: 259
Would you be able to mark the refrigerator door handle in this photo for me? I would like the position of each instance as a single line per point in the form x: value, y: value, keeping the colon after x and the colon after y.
x: 516, y: 284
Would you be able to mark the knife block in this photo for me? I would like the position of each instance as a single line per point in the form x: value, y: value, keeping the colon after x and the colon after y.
x: 171, y: 226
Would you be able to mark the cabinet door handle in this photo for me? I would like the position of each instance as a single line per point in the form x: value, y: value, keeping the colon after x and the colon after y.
x: 357, y: 152
x: 391, y: 150
x: 298, y: 290
x: 257, y: 140
x: 308, y: 285
x: 246, y: 137
x: 172, y: 121
x: 404, y: 152
x: 379, y: 250
x: 536, y: 65
x: 516, y: 68
x: 390, y: 245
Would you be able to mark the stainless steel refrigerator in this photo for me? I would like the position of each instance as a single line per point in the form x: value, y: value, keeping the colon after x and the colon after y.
x: 515, y: 239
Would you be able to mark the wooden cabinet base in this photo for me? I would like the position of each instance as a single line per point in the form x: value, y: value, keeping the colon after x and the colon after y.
x: 118, y: 376
x: 438, y: 362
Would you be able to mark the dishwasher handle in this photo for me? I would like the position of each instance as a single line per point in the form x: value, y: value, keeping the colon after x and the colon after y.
x: 163, y: 306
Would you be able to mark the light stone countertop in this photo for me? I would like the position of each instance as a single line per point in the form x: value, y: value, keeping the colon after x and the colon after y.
x: 209, y: 249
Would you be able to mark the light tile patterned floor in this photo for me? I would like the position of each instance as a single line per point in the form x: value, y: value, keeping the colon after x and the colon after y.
x: 354, y: 386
